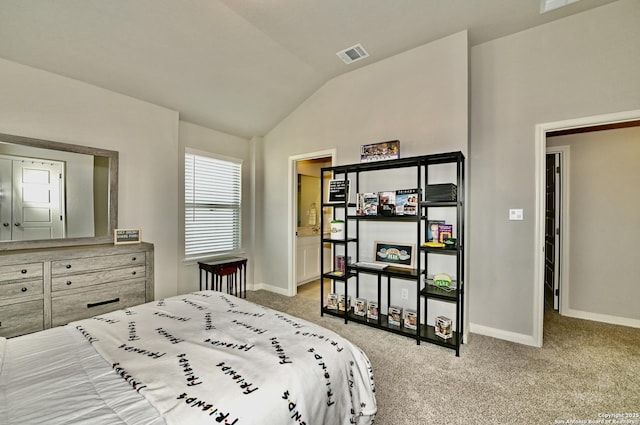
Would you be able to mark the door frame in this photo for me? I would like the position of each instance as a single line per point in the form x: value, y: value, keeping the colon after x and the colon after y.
x: 292, y: 219
x: 541, y: 131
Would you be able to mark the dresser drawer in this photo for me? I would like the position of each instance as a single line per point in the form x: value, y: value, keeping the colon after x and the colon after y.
x: 78, y: 265
x: 21, y: 288
x: 102, y: 299
x: 21, y: 271
x: 73, y: 281
x: 21, y: 318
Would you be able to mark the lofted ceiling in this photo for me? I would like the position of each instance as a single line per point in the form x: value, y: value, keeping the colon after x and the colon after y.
x: 239, y: 66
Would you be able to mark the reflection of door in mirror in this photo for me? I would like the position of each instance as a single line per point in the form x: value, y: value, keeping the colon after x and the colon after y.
x: 31, y: 199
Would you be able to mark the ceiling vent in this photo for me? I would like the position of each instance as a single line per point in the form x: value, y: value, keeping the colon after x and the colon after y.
x: 353, y: 53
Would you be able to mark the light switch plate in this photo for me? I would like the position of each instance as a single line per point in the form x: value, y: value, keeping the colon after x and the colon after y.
x: 516, y: 214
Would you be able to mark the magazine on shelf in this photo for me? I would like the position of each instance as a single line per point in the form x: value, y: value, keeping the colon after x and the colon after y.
x: 372, y: 310
x: 360, y: 307
x: 338, y: 191
x: 395, y: 315
x: 367, y: 203
x: 387, y: 203
x: 407, y: 202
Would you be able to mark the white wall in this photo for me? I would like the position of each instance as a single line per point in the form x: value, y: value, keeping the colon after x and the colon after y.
x: 603, y: 178
x: 419, y: 97
x: 214, y: 142
x: 47, y: 106
x: 580, y: 66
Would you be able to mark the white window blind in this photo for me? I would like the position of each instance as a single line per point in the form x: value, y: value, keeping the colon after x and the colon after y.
x: 212, y: 205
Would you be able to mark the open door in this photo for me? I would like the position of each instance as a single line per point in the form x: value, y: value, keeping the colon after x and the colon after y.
x: 552, y: 233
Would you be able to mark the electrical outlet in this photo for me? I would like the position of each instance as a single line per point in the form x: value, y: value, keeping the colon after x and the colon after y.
x: 404, y: 294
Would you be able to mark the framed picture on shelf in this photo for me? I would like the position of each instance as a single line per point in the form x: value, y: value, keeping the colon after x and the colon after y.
x: 338, y: 191
x: 394, y: 254
x: 432, y: 230
x: 380, y: 151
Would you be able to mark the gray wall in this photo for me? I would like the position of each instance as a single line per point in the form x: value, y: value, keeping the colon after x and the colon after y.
x: 580, y: 66
x: 604, y: 223
x: 419, y: 97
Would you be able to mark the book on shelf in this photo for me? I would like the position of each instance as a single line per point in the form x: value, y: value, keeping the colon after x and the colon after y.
x: 387, y: 203
x: 367, y: 203
x: 441, y: 192
x: 407, y: 202
x: 395, y: 315
x: 445, y: 231
x: 433, y: 231
x: 338, y: 191
x: 360, y: 307
x: 443, y: 327
x: 332, y: 301
x: 410, y: 319
x: 340, y: 266
x: 372, y: 310
x: 344, y: 303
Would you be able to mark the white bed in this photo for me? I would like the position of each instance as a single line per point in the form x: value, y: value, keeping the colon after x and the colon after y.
x: 200, y: 358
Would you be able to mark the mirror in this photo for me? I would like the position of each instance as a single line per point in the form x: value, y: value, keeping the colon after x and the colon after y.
x: 56, y: 194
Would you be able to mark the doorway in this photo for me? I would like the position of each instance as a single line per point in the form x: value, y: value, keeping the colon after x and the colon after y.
x: 542, y: 131
x: 305, y: 216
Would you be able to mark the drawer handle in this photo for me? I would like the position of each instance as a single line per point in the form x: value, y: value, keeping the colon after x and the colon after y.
x: 91, y: 305
x: 24, y: 289
x: 69, y: 282
x: 68, y: 266
x: 23, y: 271
x: 134, y: 258
x: 133, y: 273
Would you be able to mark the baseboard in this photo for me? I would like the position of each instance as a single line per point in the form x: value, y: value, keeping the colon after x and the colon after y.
x: 605, y: 318
x: 502, y: 334
x: 270, y: 288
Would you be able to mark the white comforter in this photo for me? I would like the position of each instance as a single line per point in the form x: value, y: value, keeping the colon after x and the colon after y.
x: 212, y: 358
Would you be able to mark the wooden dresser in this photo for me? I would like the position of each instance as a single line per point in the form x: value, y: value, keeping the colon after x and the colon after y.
x: 41, y: 288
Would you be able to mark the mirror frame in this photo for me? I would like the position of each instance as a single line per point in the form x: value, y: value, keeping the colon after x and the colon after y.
x: 113, y: 193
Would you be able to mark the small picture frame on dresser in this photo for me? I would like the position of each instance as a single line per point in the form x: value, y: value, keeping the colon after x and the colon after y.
x: 126, y: 236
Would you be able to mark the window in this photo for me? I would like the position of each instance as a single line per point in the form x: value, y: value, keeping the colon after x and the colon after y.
x: 212, y: 189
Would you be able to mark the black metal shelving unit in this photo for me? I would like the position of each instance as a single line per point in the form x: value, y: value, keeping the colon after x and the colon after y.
x: 423, y: 290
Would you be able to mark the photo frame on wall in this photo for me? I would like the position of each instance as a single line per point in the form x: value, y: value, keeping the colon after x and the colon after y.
x: 380, y: 151
x: 395, y: 254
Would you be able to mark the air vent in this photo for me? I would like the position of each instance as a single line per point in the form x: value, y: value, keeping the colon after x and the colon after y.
x: 353, y: 53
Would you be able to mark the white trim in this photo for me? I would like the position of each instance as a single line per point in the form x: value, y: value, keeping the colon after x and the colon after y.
x: 614, y: 320
x: 293, y: 211
x: 540, y: 151
x: 501, y: 334
x: 276, y: 289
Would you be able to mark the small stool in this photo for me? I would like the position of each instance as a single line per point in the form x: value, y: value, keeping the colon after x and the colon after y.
x: 235, y: 271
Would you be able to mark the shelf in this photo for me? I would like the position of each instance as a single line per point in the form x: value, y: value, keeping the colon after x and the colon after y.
x: 430, y: 204
x: 432, y: 291
x: 397, y: 272
x: 335, y: 276
x: 427, y: 332
x: 340, y: 241
x: 411, y: 218
x: 443, y: 250
x: 429, y: 299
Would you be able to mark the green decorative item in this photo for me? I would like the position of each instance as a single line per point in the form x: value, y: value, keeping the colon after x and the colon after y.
x: 442, y: 280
